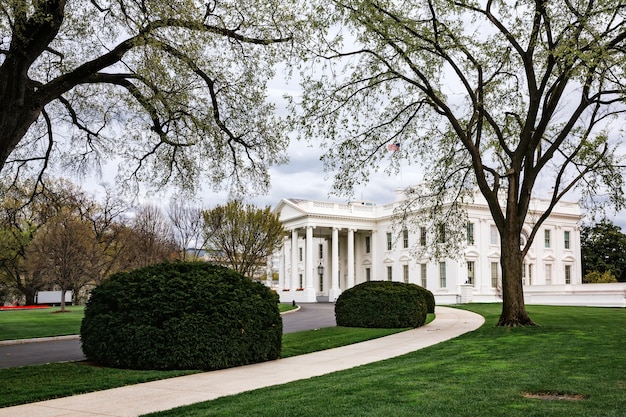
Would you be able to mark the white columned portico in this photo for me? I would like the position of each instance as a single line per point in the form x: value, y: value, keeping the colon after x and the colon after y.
x: 350, y: 282
x: 335, y: 291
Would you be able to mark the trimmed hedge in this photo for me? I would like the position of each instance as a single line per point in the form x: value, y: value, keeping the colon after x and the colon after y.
x: 181, y: 316
x: 429, y: 298
x: 381, y: 304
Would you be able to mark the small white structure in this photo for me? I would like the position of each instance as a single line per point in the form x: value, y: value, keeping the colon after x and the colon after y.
x: 52, y: 297
x: 334, y: 246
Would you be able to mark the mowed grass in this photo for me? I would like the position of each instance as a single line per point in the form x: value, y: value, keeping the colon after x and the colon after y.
x: 576, y: 350
x: 41, y: 382
x: 29, y: 384
x: 27, y: 324
x: 300, y: 343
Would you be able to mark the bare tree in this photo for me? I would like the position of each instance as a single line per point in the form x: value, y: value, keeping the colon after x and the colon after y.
x: 63, y: 251
x: 151, y: 238
x: 188, y: 225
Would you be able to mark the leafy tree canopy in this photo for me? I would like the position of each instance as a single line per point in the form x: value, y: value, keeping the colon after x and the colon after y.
x: 511, y: 98
x: 242, y: 236
x: 177, y: 88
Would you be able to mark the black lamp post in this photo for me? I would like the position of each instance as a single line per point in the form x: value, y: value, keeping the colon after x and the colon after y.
x: 320, y: 269
x: 320, y: 272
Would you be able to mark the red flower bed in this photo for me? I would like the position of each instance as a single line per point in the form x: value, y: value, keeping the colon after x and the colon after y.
x: 32, y: 307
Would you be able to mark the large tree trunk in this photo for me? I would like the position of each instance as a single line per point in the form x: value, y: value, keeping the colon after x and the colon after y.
x: 513, y: 307
x: 63, y: 292
x: 32, y: 33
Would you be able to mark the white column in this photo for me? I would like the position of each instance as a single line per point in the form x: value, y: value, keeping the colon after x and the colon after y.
x: 282, y: 271
x: 577, y: 268
x: 350, y: 282
x: 308, y: 268
x: 294, y: 260
x: 374, y: 250
x: 335, y: 291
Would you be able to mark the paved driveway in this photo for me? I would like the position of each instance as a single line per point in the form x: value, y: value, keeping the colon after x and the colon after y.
x: 310, y: 316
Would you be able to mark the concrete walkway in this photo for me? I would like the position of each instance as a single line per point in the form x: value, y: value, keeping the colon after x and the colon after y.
x: 136, y: 400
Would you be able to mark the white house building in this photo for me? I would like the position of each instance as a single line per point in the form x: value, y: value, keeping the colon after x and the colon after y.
x: 333, y: 246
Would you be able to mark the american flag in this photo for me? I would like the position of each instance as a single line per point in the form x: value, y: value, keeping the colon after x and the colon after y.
x: 393, y: 146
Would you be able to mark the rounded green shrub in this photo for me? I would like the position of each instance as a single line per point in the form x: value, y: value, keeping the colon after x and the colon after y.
x: 381, y: 304
x: 429, y: 298
x: 181, y: 316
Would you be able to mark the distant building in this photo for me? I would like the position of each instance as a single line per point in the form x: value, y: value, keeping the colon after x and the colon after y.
x: 334, y: 246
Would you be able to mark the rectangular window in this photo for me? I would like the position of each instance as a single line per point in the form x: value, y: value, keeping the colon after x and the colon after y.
x: 548, y: 273
x: 368, y: 274
x: 441, y: 238
x: 423, y: 275
x: 321, y: 251
x: 524, y: 274
x: 368, y: 244
x: 300, y: 281
x: 530, y: 274
x: 470, y: 272
x: 546, y: 238
x: 442, y: 275
x: 388, y: 241
x: 470, y: 233
x: 568, y: 274
x: 494, y: 275
x: 405, y: 273
x: 405, y: 238
x: 493, y: 235
x: 566, y: 241
x: 422, y: 236
x: 389, y: 273
x: 300, y: 254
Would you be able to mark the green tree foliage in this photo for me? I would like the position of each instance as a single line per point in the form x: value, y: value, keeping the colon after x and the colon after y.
x: 603, y: 248
x: 181, y: 316
x: 242, y: 236
x: 185, y: 81
x: 595, y: 277
x: 506, y: 98
x: 382, y: 304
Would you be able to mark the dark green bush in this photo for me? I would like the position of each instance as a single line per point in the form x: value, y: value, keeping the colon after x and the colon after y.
x: 181, y: 316
x: 429, y: 298
x: 381, y: 304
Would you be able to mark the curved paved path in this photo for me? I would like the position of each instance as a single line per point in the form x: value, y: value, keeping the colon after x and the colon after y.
x: 154, y: 396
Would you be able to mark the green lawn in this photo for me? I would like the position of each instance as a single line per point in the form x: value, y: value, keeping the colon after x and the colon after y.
x: 41, y: 382
x: 282, y: 307
x: 576, y: 350
x: 27, y: 324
